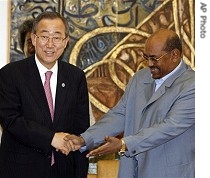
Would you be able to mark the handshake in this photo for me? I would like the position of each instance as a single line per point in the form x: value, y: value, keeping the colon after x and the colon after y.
x: 65, y: 143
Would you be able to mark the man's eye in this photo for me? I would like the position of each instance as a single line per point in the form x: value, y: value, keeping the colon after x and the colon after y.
x: 44, y: 37
x: 57, y: 38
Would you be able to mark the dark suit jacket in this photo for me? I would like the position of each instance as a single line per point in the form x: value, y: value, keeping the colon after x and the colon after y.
x: 25, y: 150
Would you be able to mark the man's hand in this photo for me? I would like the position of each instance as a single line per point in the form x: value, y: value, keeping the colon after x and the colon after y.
x: 61, y: 144
x: 76, y: 141
x: 112, y: 145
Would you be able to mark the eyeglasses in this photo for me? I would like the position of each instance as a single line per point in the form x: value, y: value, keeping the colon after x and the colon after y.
x: 153, y: 58
x: 55, y: 40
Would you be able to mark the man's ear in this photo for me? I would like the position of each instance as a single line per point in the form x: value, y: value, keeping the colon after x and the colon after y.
x: 67, y: 42
x: 33, y: 40
x: 175, y: 55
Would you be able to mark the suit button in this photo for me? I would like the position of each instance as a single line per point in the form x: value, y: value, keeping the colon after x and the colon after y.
x: 134, y: 151
x: 49, y: 157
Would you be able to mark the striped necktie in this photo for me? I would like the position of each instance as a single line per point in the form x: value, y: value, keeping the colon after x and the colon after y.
x: 48, y: 94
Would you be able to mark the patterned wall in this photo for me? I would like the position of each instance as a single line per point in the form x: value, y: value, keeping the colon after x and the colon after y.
x: 107, y: 37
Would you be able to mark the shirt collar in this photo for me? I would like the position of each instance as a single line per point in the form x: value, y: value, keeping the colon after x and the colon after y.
x: 161, y: 80
x: 42, y: 69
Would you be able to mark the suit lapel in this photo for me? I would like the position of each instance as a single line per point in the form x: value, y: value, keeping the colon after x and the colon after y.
x: 63, y: 84
x: 36, y: 87
x: 148, y: 92
x: 167, y: 83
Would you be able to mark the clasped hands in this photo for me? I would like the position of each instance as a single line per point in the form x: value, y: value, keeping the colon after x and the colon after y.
x: 66, y: 143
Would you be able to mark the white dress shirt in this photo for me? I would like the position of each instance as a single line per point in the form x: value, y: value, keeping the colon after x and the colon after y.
x: 53, y: 79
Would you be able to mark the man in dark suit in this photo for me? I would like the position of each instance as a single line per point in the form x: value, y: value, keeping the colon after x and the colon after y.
x: 34, y: 143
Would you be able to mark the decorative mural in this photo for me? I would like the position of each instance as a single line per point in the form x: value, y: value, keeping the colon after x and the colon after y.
x: 108, y: 36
